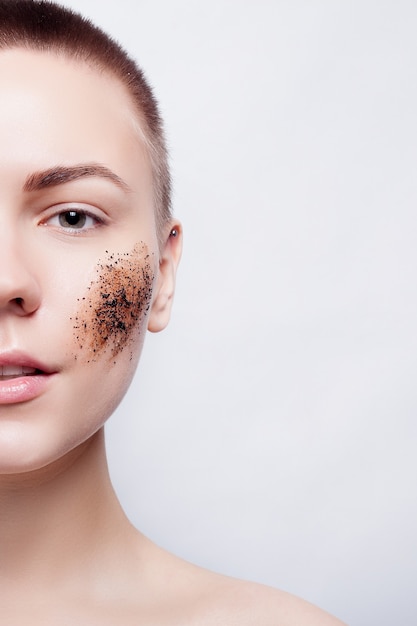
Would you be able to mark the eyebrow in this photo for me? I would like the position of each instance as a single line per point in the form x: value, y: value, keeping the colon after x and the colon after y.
x: 60, y: 175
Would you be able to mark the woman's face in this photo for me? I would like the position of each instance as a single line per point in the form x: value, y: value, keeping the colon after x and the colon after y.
x: 80, y: 271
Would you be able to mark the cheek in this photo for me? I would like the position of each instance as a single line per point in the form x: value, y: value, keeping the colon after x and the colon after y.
x: 111, y: 315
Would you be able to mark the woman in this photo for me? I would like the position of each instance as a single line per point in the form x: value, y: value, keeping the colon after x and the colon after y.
x: 89, y: 252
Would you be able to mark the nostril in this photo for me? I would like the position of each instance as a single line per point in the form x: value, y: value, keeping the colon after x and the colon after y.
x: 19, y: 293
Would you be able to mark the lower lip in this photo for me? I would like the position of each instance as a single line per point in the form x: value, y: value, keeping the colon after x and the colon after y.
x: 23, y: 388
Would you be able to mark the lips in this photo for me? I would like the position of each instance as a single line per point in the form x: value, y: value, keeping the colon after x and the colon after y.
x: 22, y: 378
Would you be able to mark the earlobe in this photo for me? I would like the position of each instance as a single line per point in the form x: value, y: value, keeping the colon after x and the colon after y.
x: 165, y: 284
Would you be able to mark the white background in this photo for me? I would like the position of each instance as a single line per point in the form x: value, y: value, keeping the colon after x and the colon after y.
x: 270, y: 432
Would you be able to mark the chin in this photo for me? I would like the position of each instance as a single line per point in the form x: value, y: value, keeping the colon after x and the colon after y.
x: 23, y: 456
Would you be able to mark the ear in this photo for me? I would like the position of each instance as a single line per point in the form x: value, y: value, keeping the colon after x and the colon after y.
x: 165, y: 284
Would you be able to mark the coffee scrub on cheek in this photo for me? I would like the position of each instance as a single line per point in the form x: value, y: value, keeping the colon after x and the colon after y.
x: 111, y: 314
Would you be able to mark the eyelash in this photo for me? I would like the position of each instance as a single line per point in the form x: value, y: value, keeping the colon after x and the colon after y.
x: 77, y: 212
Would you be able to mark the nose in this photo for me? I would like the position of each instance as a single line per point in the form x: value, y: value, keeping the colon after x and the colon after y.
x: 20, y: 292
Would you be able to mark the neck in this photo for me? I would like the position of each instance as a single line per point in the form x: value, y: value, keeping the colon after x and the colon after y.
x: 60, y: 516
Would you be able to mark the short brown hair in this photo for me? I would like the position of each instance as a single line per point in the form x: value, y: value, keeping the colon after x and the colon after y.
x: 45, y: 26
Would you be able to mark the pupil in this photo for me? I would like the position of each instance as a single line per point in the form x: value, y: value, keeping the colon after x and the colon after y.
x: 72, y: 218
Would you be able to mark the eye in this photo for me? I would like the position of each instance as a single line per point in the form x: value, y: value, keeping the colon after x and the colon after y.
x: 74, y: 219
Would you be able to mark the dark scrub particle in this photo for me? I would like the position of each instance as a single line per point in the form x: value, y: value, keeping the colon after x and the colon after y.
x: 117, y: 300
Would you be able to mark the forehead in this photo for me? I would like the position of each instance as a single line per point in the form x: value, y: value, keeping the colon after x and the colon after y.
x: 57, y: 110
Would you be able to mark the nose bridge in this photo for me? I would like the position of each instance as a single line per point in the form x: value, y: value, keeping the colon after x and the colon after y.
x: 19, y: 287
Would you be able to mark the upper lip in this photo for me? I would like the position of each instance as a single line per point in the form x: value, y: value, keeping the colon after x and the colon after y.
x: 21, y: 359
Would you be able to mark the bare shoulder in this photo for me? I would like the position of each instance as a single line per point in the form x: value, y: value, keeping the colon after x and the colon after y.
x: 244, y: 603
x: 210, y: 599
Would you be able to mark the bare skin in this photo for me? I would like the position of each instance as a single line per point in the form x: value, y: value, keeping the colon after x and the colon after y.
x: 90, y: 566
x: 68, y: 554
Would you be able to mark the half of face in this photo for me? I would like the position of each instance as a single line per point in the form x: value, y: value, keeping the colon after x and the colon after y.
x: 83, y: 274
